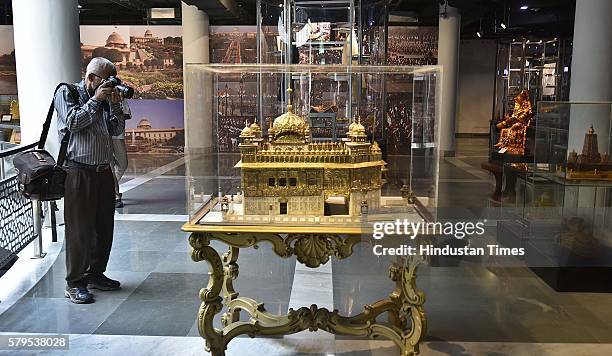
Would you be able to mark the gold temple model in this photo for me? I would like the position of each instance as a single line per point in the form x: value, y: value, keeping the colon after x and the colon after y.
x: 287, y: 174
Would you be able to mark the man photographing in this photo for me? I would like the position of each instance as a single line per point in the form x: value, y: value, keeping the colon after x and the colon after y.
x: 92, y: 114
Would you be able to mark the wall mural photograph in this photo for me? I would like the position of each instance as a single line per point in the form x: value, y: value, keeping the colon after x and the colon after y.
x: 8, y: 73
x: 233, y: 44
x: 413, y: 45
x: 149, y: 58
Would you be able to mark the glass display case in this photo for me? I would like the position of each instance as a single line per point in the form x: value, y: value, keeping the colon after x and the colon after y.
x: 539, y: 65
x: 9, y: 118
x: 563, y: 205
x: 322, y: 32
x: 264, y: 162
x: 573, y: 141
x: 329, y: 32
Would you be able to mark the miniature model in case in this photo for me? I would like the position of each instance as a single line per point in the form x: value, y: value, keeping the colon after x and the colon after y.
x: 590, y: 164
x: 287, y: 174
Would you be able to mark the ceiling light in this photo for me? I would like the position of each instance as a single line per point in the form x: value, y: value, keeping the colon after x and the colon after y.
x: 161, y: 13
x: 503, y: 25
x: 524, y: 7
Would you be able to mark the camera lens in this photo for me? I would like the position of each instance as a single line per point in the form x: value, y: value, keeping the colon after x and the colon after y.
x: 127, y: 92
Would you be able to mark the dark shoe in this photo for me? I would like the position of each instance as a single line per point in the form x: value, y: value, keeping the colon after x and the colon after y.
x: 118, y: 203
x: 79, y: 295
x: 101, y: 282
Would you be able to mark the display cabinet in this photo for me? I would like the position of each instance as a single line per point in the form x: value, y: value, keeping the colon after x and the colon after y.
x: 569, y: 176
x: 562, y: 209
x: 330, y: 33
x: 573, y: 141
x: 540, y: 65
x: 272, y: 155
x: 322, y: 32
x: 9, y: 118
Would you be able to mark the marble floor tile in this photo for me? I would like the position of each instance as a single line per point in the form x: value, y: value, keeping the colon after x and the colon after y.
x: 181, y: 262
x: 170, y: 287
x: 53, y: 286
x: 156, y: 196
x: 56, y: 315
x: 154, y: 241
x: 135, y: 261
x: 151, y: 317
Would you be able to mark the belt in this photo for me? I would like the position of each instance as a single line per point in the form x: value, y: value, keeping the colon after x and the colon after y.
x: 90, y: 167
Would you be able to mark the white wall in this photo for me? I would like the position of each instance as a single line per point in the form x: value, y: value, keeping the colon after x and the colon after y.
x: 476, y: 85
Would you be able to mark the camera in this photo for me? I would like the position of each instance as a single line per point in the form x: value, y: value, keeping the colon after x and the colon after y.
x: 126, y: 91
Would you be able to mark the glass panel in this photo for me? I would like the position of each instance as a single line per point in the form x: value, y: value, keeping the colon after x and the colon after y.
x: 381, y: 127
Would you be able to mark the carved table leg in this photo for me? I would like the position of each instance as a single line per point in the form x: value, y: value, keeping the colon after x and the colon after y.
x: 395, y: 274
x: 412, y: 307
x: 211, y: 301
x: 230, y: 273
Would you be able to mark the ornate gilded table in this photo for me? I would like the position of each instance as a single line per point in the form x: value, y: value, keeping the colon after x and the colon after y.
x: 313, y: 246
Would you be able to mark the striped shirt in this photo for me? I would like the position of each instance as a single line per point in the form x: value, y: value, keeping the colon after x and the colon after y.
x: 90, y: 123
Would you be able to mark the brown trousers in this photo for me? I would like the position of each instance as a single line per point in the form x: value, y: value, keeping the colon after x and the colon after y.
x: 89, y: 209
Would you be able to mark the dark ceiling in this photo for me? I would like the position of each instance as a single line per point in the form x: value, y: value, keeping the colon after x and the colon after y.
x: 542, y: 18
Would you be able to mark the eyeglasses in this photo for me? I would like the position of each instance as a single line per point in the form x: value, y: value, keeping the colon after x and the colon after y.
x: 95, y: 75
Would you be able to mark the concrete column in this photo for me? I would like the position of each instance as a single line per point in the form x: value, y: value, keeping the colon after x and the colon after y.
x: 47, y: 52
x: 448, y: 58
x: 201, y: 162
x: 591, y: 75
x: 196, y: 35
x: 198, y: 115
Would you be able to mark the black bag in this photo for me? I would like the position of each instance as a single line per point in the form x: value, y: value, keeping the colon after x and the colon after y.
x: 40, y: 177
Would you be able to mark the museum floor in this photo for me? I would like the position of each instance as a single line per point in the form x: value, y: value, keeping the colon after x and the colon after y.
x: 472, y: 310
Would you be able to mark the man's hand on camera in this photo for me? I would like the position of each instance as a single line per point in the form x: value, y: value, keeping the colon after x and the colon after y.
x: 103, y: 91
x: 115, y: 96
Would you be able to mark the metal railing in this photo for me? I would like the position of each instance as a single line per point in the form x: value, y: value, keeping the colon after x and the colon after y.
x: 20, y: 218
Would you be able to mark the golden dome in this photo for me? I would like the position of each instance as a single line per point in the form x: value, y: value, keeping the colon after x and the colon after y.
x: 246, y: 131
x: 255, y: 127
x: 290, y: 126
x: 352, y: 125
x: 357, y: 129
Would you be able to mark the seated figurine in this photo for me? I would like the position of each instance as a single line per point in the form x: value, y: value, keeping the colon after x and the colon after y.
x: 514, y: 127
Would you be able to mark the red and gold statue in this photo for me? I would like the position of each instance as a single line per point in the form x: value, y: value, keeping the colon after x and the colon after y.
x: 514, y: 127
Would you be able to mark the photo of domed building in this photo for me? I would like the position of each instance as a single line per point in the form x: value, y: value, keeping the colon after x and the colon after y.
x: 144, y: 137
x: 147, y: 58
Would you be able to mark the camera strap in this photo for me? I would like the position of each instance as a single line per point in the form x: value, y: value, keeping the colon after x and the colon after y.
x: 45, y: 132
